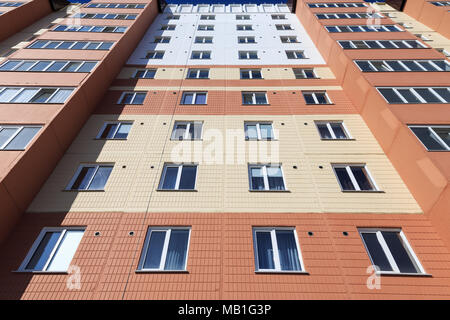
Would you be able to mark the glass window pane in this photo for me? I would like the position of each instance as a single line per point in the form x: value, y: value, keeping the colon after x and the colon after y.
x: 66, y: 44
x: 376, y: 252
x: 127, y: 98
x: 203, y: 74
x: 154, y: 250
x: 196, y: 130
x: 109, y: 130
x: 6, y: 134
x: 266, y: 131
x: 257, y: 179
x: 25, y: 95
x: 260, y: 98
x: 251, y: 132
x: 338, y: 130
x: 247, y: 98
x: 442, y: 64
x: 179, y: 132
x: 85, y: 175
x: 245, y: 74
x: 188, y: 98
x: 444, y: 93
x: 43, y: 251
x: 426, y: 136
x: 139, y: 98
x: 7, y: 94
x: 187, y: 181
x: 66, y: 250
x: 177, y: 250
x: 399, y: 252
x: 390, y: 95
x: 287, y: 250
x: 40, y: 66
x: 100, y: 178
x: 309, y: 98
x: 409, y: 96
x: 61, y: 96
x: 264, y: 250
x: 57, y: 66
x: 321, y: 98
x: 427, y: 95
x: 412, y: 66
x: 275, y: 177
x: 87, y: 67
x: 344, y: 179
x: 323, y: 130
x: 123, y: 131
x: 394, y: 65
x: 428, y: 66
x: 9, y: 65
x: 79, y: 45
x: 22, y: 139
x: 362, y: 178
x: 444, y: 134
x: 71, y: 66
x: 200, y: 98
x: 170, y: 178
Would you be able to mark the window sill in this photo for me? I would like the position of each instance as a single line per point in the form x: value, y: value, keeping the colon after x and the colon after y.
x: 177, y: 190
x: 287, y: 191
x: 40, y: 272
x: 395, y: 274
x: 282, y: 272
x: 161, y: 271
x: 363, y: 191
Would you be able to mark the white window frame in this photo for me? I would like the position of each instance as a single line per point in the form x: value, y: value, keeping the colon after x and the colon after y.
x: 203, y: 39
x: 265, y: 176
x: 186, y: 132
x: 247, y: 55
x: 85, y: 47
x: 244, y: 27
x: 159, y: 39
x: 119, y: 123
x: 288, y: 39
x: 146, y: 71
x: 403, y: 65
x: 67, y: 62
x: 278, y: 17
x: 253, y: 93
x: 57, y: 89
x: 37, y: 242
x: 378, y: 231
x: 77, y: 173
x: 243, y: 17
x: 276, y: 258
x: 162, y: 263
x: 355, y: 183
x: 201, y: 52
x: 296, y: 54
x: 436, y: 136
x: 258, y: 130
x: 205, y: 27
x: 197, y: 73
x: 280, y: 27
x: 208, y: 17
x: 246, y: 38
x: 316, y: 101
x: 414, y: 93
x: 168, y: 27
x: 302, y: 71
x: 194, y: 98
x: 250, y: 73
x: 153, y: 54
x: 134, y: 93
x: 330, y: 129
x: 18, y: 128
x: 177, y: 183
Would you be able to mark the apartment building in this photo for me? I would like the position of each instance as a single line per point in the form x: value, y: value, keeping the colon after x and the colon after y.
x: 226, y: 151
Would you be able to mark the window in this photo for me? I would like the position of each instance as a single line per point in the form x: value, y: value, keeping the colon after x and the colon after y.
x: 276, y: 250
x: 295, y: 54
x: 168, y: 27
x: 416, y: 95
x: 247, y: 55
x: 198, y: 74
x: 16, y: 137
x: 433, y: 137
x: 90, y: 29
x: 201, y: 55
x: 90, y: 177
x: 165, y: 249
x: 254, y: 98
x: 303, y: 73
x: 132, y: 97
x: 162, y: 40
x: 34, y: 95
x: 187, y: 130
x: 70, y: 45
x: 389, y: 251
x: 244, y: 27
x: 53, y: 250
x: 350, y: 15
x: 283, y: 27
x: 194, y: 98
x: 337, y: 5
x: 246, y: 39
x: 403, y: 65
x: 173, y: 17
x: 259, y: 131
x: 278, y: 17
x: 48, y: 66
x: 145, y: 73
x: 332, y: 130
x: 316, y: 98
x: 155, y: 55
x: 178, y: 177
x: 266, y: 178
x: 204, y: 27
x: 207, y: 17
x: 242, y: 17
x: 382, y: 44
x: 364, y: 28
x: 203, y: 39
x: 288, y: 39
x: 251, y: 74
x: 116, y: 5
x: 105, y: 16
x: 11, y: 4
x: 115, y: 130
x: 441, y: 3
x: 354, y: 178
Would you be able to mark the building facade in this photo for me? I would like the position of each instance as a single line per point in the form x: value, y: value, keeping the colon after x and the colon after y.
x: 225, y: 152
